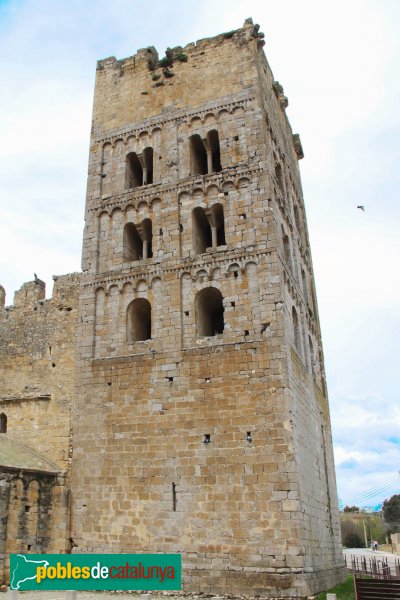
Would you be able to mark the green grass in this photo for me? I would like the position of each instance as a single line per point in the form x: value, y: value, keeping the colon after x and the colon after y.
x: 344, y: 591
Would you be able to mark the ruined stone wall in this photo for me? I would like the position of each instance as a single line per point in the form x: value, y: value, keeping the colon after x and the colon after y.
x: 34, y: 515
x: 186, y: 441
x: 37, y: 366
x: 37, y: 362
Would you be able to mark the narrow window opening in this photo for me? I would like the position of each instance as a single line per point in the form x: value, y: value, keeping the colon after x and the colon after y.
x: 186, y: 313
x: 173, y: 497
x: 213, y: 149
x: 29, y: 546
x: 313, y: 301
x: 53, y: 365
x: 147, y: 237
x: 246, y: 332
x: 139, y: 320
x: 147, y: 166
x: 279, y: 178
x: 233, y: 304
x: 209, y: 312
x: 160, y: 232
x: 207, y: 438
x: 235, y: 274
x: 236, y: 138
x: 132, y: 243
x: 296, y: 330
x: 248, y: 437
x: 312, y: 356
x: 27, y: 508
x: 169, y: 378
x: 3, y: 423
x: 50, y: 350
x: 133, y: 171
x: 297, y: 218
x: 109, y: 383
x: 242, y: 216
x: 198, y: 156
x: 287, y: 252
x: 180, y: 227
x: 304, y: 282
x: 201, y: 231
x: 217, y: 222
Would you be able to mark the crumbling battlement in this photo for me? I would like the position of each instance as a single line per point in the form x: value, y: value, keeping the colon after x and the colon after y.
x: 29, y: 325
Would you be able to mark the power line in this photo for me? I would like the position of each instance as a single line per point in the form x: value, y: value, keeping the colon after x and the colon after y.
x: 390, y: 481
x: 372, y: 492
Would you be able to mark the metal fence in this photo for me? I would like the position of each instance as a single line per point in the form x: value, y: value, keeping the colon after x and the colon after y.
x: 378, y: 568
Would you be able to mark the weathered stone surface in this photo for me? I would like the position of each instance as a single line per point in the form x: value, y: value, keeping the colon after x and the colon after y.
x: 165, y: 410
x: 196, y: 402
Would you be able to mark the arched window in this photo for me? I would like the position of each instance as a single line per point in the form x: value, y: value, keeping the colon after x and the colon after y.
x: 133, y: 171
x: 198, y: 156
x: 139, y: 320
x: 209, y: 312
x: 3, y: 423
x: 287, y: 252
x: 296, y: 330
x: 137, y: 241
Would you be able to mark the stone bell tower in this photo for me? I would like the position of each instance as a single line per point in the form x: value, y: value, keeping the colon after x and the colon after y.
x: 201, y: 424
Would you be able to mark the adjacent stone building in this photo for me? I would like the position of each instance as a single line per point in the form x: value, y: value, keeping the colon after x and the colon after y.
x: 197, y: 413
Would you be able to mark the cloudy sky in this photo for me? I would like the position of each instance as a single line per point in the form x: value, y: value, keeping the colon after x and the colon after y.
x: 339, y: 63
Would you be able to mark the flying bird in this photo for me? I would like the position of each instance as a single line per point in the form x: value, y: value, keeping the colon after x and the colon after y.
x: 361, y: 208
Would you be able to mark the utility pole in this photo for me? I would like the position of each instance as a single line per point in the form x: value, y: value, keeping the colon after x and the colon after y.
x: 365, y: 534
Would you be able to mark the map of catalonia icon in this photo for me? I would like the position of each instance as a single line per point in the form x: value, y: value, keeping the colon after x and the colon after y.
x: 24, y: 569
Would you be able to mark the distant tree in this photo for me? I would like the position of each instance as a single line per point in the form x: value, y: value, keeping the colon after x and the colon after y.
x: 353, y: 540
x: 352, y: 532
x: 351, y: 509
x: 391, y: 513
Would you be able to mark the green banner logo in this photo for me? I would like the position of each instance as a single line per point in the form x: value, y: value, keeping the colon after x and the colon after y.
x: 95, y: 572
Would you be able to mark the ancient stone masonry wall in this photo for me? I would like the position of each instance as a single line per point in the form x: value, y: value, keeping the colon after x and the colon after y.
x: 37, y: 354
x: 37, y: 366
x: 309, y: 410
x: 197, y: 426
x: 34, y: 515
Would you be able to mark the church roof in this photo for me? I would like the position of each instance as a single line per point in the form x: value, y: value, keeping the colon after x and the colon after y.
x: 17, y: 456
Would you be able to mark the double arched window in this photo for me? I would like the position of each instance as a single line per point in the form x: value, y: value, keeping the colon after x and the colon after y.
x: 205, y: 156
x: 139, y: 168
x: 137, y: 241
x: 208, y: 230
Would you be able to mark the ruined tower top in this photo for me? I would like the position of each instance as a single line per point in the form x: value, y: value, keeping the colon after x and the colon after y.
x: 145, y: 85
